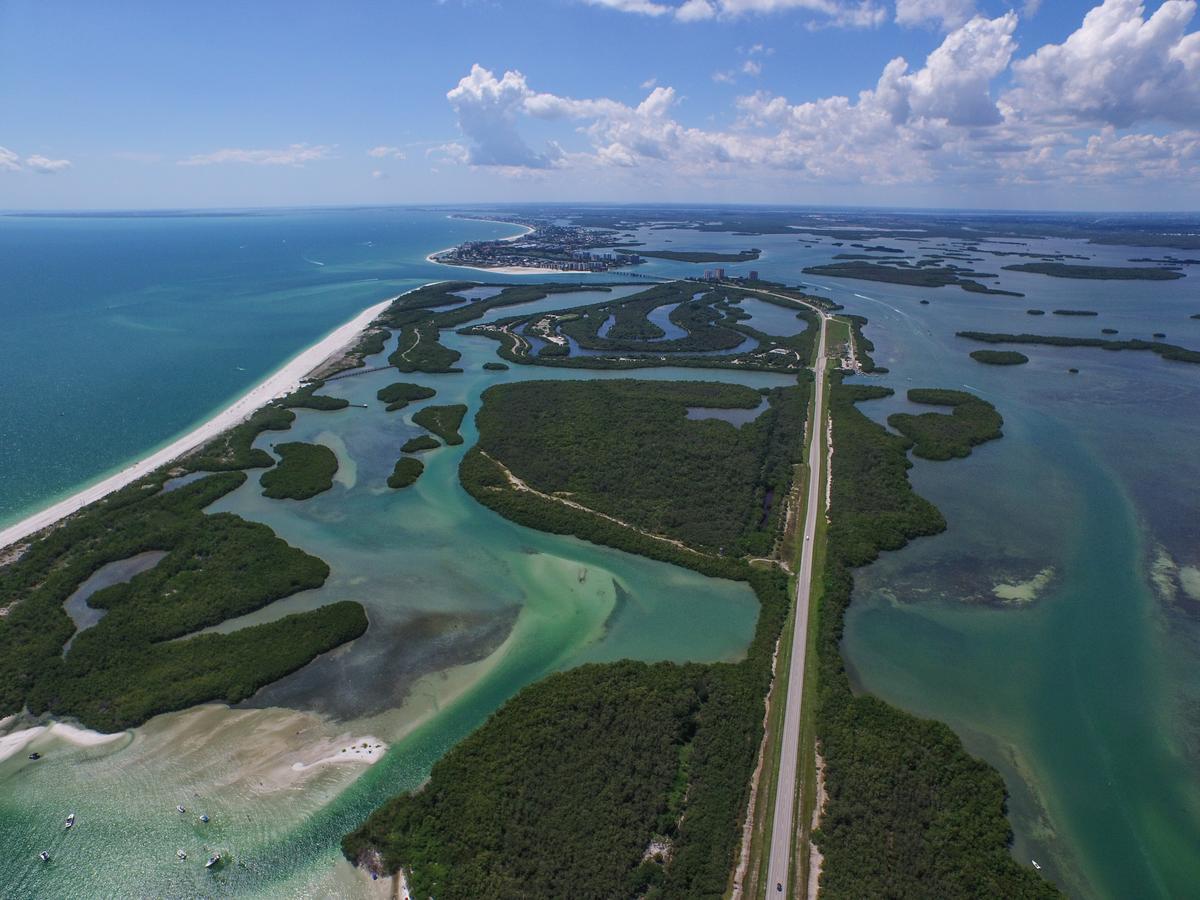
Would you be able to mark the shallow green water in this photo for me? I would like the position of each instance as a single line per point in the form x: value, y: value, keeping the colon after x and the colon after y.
x: 1082, y: 697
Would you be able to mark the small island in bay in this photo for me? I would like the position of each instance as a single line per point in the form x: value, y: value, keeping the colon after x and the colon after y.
x: 917, y: 276
x: 304, y: 471
x: 1166, y: 351
x: 406, y: 472
x: 999, y: 357
x: 1096, y: 273
x: 420, y: 444
x: 399, y: 395
x: 444, y: 421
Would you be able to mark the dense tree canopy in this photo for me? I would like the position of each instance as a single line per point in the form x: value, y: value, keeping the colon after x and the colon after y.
x: 628, y: 449
x: 138, y: 660
x: 304, y: 471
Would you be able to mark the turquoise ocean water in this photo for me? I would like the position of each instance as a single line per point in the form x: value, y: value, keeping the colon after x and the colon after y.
x: 123, y: 332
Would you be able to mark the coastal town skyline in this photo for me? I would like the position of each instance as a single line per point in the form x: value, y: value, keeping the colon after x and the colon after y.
x: 929, y: 103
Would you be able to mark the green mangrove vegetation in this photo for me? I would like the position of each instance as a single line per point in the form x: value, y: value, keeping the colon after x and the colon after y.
x: 938, y: 436
x: 627, y: 449
x: 418, y: 350
x: 420, y: 443
x: 1096, y: 273
x: 399, y: 395
x: 139, y: 660
x: 1075, y: 312
x: 999, y: 357
x: 233, y: 449
x: 1171, y: 352
x: 910, y: 813
x: 407, y: 470
x: 304, y: 471
x: 444, y: 421
x: 916, y: 276
x: 715, y: 334
x: 495, y: 367
x: 308, y: 398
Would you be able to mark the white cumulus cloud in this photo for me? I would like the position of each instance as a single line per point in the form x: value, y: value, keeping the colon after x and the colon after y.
x: 1117, y: 68
x: 941, y: 122
x: 487, y: 109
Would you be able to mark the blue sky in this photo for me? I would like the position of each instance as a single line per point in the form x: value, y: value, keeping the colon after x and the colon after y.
x: 964, y: 103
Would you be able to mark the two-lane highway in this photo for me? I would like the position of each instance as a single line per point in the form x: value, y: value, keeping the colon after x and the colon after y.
x: 782, y: 835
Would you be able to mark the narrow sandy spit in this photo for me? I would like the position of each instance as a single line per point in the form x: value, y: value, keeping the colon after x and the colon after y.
x: 285, y: 380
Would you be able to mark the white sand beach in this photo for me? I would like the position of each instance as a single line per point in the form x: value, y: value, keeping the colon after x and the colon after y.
x: 345, y: 749
x: 12, y: 744
x: 283, y: 381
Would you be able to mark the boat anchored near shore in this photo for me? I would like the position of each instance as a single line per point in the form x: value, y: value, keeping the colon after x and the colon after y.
x: 70, y: 823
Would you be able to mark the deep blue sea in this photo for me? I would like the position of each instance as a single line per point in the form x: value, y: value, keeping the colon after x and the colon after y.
x: 123, y: 332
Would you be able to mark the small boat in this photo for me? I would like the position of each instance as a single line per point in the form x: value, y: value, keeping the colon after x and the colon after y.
x: 181, y: 809
x: 213, y: 860
x: 1035, y: 864
x: 582, y: 575
x: 35, y: 756
x: 181, y: 854
x: 44, y: 856
x: 70, y: 822
x: 204, y: 819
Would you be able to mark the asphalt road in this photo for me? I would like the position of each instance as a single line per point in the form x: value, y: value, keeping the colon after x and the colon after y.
x: 782, y: 835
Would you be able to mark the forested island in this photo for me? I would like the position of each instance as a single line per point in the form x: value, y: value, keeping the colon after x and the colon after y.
x: 1097, y: 273
x: 405, y: 473
x: 304, y: 471
x: 444, y: 421
x: 938, y: 436
x: 399, y: 395
x: 1172, y: 352
x: 419, y: 444
x: 715, y: 332
x: 138, y: 661
x: 916, y: 276
x: 999, y: 357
